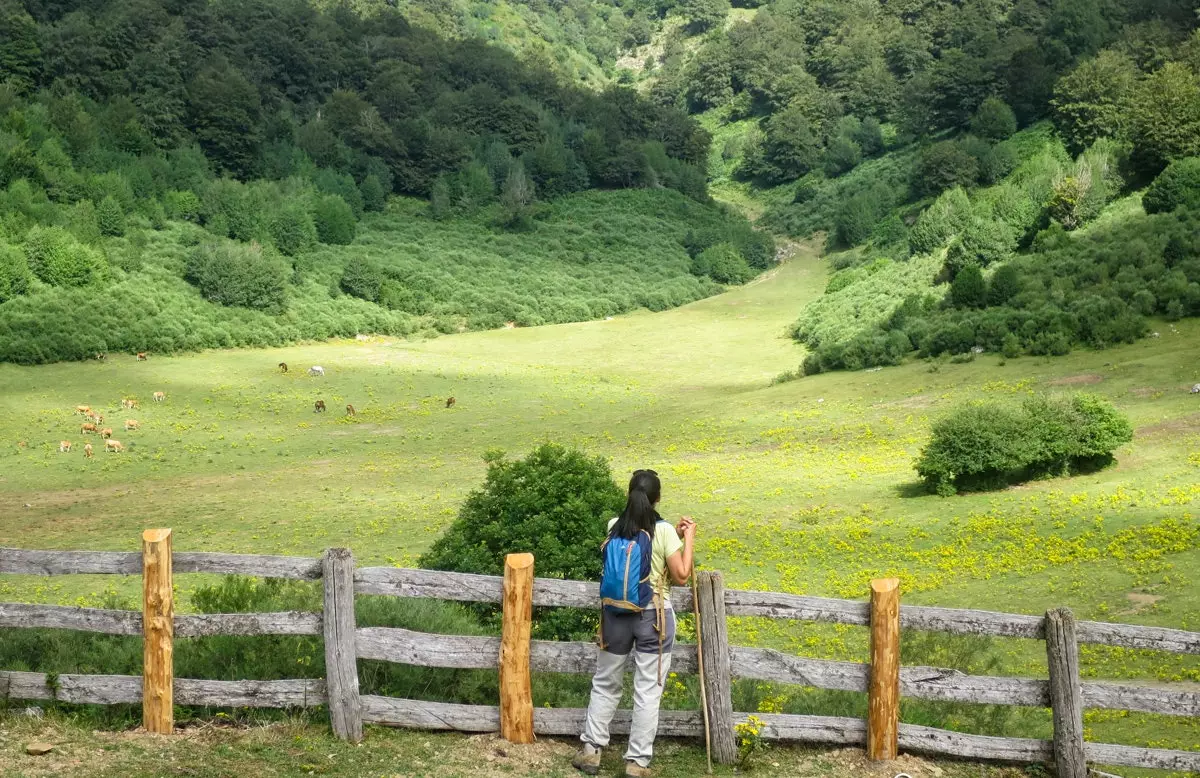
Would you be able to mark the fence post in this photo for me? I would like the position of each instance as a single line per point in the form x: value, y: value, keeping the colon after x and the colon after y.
x: 341, y: 667
x: 516, y: 694
x: 883, y: 698
x: 158, y: 633
x: 1066, y: 694
x: 718, y: 684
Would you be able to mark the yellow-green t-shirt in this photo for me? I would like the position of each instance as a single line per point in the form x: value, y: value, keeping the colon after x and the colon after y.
x: 666, y: 542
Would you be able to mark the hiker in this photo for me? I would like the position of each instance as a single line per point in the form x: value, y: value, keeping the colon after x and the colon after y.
x: 641, y: 556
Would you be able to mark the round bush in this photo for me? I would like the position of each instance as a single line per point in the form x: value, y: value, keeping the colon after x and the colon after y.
x: 1177, y: 186
x: 110, y: 217
x: 994, y: 120
x: 58, y: 259
x: 334, y: 220
x: 14, y: 273
x: 293, y: 231
x: 237, y: 274
x: 723, y: 264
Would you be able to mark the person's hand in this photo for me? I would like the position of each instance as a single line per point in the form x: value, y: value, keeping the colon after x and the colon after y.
x: 689, y: 529
x: 682, y: 525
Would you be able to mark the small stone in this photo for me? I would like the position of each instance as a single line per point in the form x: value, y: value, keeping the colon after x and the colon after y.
x: 33, y: 712
x: 38, y: 749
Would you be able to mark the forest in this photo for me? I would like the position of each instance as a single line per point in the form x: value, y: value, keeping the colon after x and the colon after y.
x: 181, y: 175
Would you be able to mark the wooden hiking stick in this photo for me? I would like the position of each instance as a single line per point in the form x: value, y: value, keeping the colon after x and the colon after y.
x: 700, y: 667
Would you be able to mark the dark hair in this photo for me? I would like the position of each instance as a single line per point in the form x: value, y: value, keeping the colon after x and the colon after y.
x: 639, y: 513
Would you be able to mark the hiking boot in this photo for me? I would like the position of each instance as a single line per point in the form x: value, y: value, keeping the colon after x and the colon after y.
x: 635, y: 770
x: 587, y: 759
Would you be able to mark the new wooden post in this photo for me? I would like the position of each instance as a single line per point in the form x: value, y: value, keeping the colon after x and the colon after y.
x: 718, y: 683
x: 158, y: 633
x: 883, y: 698
x: 341, y: 668
x: 516, y: 693
x: 1066, y: 694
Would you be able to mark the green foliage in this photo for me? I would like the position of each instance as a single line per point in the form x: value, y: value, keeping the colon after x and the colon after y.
x: 1164, y: 119
x: 556, y: 500
x: 58, y: 259
x: 14, y: 272
x: 969, y: 290
x: 292, y: 230
x: 1176, y: 187
x: 994, y: 120
x: 234, y: 274
x: 945, y: 165
x: 1090, y: 101
x: 948, y: 215
x: 110, y: 217
x: 334, y: 220
x: 20, y: 54
x: 702, y: 15
x: 374, y: 196
x: 362, y: 278
x: 722, y: 263
x: 987, y: 445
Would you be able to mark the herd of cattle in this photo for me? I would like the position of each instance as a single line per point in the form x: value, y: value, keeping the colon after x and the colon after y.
x: 94, y: 424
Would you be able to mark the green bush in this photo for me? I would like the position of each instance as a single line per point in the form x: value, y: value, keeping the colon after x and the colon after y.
x: 1176, y: 187
x: 292, y: 230
x: 723, y: 264
x: 945, y: 165
x: 988, y: 445
x: 556, y: 501
x: 994, y: 120
x: 58, y: 259
x: 183, y: 205
x: 243, y: 275
x: 949, y: 214
x: 110, y: 217
x: 969, y: 290
x: 363, y: 279
x: 334, y: 220
x: 374, y: 196
x: 14, y: 272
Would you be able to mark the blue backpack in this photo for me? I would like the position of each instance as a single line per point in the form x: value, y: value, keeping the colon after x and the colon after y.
x: 625, y: 582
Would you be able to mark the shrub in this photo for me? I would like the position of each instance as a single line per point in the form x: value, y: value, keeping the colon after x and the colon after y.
x: 842, y: 155
x: 292, y: 230
x: 110, y: 217
x: 969, y: 290
x: 243, y: 275
x: 362, y: 278
x: 856, y: 218
x: 182, y: 204
x: 1004, y: 285
x: 981, y: 243
x: 994, y: 120
x: 373, y: 195
x: 58, y: 259
x: 334, y: 219
x: 14, y: 272
x: 945, y: 165
x: 937, y: 223
x: 723, y: 264
x: 556, y: 501
x: 986, y: 445
x: 1177, y: 186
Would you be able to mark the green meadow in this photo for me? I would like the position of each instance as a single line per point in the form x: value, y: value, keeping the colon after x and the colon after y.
x: 803, y: 486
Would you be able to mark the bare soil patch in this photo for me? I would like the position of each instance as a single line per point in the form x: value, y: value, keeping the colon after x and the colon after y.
x: 1083, y: 379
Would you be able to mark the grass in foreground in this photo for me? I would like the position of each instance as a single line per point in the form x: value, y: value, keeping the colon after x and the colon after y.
x: 301, y: 749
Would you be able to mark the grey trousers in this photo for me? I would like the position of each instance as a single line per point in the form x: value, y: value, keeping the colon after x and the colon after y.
x: 609, y: 682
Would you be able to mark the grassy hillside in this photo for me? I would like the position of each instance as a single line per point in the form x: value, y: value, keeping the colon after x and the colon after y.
x: 804, y: 487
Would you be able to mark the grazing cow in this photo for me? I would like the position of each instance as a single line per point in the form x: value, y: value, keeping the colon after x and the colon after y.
x: 100, y: 355
x: 349, y: 410
x: 113, y: 446
x: 142, y: 356
x: 450, y: 402
x: 319, y: 406
x: 84, y: 410
x: 106, y: 432
x: 131, y: 424
x: 84, y: 429
x: 129, y: 402
x: 64, y: 447
x: 283, y: 367
x: 159, y: 397
x: 1196, y: 389
x: 316, y: 370
x: 87, y: 451
x: 96, y: 418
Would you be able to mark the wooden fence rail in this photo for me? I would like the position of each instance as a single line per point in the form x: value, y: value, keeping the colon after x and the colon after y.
x: 345, y: 643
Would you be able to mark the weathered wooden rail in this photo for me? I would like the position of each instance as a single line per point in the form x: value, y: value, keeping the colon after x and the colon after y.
x: 515, y: 656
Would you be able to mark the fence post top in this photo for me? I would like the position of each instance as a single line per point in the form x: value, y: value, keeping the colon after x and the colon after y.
x: 156, y: 535
x: 885, y: 584
x: 338, y: 553
x: 518, y: 561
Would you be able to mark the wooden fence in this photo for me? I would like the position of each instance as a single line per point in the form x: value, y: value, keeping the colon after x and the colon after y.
x: 516, y: 656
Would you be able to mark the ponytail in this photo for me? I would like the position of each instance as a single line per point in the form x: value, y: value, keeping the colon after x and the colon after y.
x: 639, y: 513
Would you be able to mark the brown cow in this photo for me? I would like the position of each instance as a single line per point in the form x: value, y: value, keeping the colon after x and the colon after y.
x: 131, y: 424
x: 113, y: 446
x: 450, y: 402
x: 319, y: 406
x: 83, y: 409
x: 283, y: 367
x: 64, y: 446
x: 159, y: 397
x: 106, y: 432
x: 129, y: 402
x: 349, y: 410
x: 86, y: 428
x: 87, y: 451
x: 22, y: 444
x: 96, y: 418
x: 142, y: 356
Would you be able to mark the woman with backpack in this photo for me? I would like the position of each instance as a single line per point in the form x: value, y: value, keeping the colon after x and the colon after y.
x: 642, y: 555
